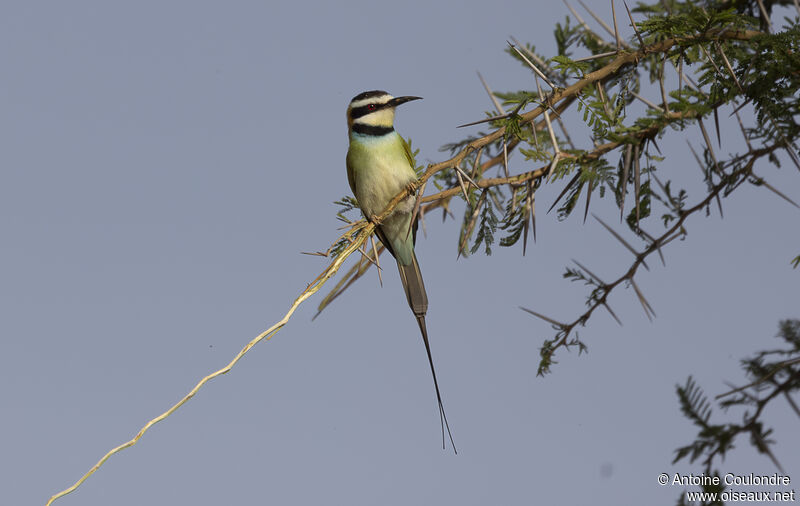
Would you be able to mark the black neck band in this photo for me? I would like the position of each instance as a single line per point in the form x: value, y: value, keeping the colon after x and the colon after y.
x: 372, y: 130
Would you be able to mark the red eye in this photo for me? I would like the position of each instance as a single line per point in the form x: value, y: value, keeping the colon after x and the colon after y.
x: 371, y: 107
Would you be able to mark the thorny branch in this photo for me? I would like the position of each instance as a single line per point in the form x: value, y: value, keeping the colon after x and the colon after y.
x: 600, y: 295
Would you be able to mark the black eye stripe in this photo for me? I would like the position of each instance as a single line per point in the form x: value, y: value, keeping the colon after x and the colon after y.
x: 357, y: 112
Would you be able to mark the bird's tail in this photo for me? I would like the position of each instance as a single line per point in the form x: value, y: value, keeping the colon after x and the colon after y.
x: 414, y: 287
x: 442, y: 415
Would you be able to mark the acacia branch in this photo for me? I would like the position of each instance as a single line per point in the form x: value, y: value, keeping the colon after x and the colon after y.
x: 777, y: 367
x: 566, y: 330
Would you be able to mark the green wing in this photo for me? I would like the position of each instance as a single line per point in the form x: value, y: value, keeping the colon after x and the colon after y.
x: 413, y: 164
x: 409, y: 154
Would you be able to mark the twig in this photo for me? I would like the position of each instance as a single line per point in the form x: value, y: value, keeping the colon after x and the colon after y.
x: 590, y: 273
x: 602, y: 23
x: 531, y: 65
x: 586, y: 26
x: 728, y: 66
x: 547, y: 120
x: 555, y: 323
x: 491, y: 95
x: 415, y: 213
x: 761, y: 181
x: 648, y: 310
x: 633, y: 25
x: 661, y: 84
x: 636, y: 181
x: 565, y: 132
x: 777, y: 367
x: 618, y: 237
x: 595, y: 56
x: 766, y: 16
x: 649, y: 103
x: 533, y: 56
x: 616, y: 30
x: 624, y: 181
x: 473, y: 219
x: 744, y: 133
x: 711, y: 60
x: 608, y: 308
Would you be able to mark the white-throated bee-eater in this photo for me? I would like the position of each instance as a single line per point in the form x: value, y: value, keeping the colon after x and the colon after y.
x: 379, y: 166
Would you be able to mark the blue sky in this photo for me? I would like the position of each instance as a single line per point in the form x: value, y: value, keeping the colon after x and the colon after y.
x: 165, y: 163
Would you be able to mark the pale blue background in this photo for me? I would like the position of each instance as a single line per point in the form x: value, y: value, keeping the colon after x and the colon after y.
x: 165, y: 163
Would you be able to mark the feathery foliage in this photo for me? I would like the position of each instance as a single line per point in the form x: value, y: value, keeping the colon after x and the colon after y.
x: 774, y: 374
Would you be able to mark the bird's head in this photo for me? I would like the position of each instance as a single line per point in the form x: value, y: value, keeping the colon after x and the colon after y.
x: 374, y: 110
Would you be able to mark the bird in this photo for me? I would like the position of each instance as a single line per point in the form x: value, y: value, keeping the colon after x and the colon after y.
x: 379, y: 166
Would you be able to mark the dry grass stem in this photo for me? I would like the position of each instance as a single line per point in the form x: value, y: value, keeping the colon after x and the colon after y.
x: 267, y: 334
x: 377, y: 259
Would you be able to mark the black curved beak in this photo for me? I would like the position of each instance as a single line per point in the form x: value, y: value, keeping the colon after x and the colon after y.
x: 402, y: 100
